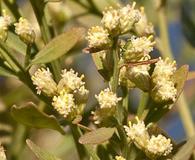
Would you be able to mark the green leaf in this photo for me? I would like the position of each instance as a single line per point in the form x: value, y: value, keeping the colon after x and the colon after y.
x: 59, y: 46
x: 180, y: 77
x: 40, y: 154
x: 30, y: 115
x: 186, y: 150
x: 91, y: 152
x: 97, y: 136
x: 15, y: 43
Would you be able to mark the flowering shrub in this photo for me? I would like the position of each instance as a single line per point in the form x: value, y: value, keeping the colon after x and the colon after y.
x: 121, y: 47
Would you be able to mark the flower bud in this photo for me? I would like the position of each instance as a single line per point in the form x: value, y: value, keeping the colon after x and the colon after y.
x: 164, y: 91
x: 2, y: 153
x: 44, y: 82
x: 5, y: 21
x: 128, y: 17
x: 110, y: 20
x: 64, y: 103
x: 159, y: 146
x: 139, y: 75
x: 98, y: 37
x: 143, y: 27
x: 119, y: 158
x: 25, y: 31
x: 107, y: 99
x: 138, y: 48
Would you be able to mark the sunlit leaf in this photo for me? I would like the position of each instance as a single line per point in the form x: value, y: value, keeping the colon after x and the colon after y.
x: 59, y: 46
x: 30, y: 115
x: 186, y: 150
x: 97, y: 136
x: 180, y: 77
x: 40, y: 153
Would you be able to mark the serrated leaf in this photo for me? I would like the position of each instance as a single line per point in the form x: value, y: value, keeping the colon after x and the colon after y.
x: 40, y: 153
x: 180, y: 77
x: 59, y: 46
x: 30, y: 115
x: 97, y: 136
x: 186, y: 150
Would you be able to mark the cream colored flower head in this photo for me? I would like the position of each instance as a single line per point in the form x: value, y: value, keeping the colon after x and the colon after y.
x: 119, y: 158
x: 5, y: 21
x: 2, y: 153
x: 98, y: 37
x: 64, y: 103
x: 143, y: 27
x: 71, y: 82
x: 164, y: 90
x: 163, y: 69
x: 138, y: 48
x: 137, y: 133
x: 25, y: 30
x: 44, y: 82
x: 128, y: 17
x: 110, y: 19
x: 107, y: 99
x: 159, y: 145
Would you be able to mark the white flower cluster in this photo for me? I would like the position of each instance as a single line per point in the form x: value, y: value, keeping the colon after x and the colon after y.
x: 44, y: 82
x: 5, y: 21
x: 107, y: 99
x: 25, y: 30
x: 65, y: 93
x: 2, y: 153
x: 119, y: 158
x: 154, y: 146
x: 114, y: 22
x: 164, y: 87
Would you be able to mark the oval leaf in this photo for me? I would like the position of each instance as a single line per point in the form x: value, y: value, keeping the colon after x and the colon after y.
x: 40, y: 154
x: 97, y: 136
x: 29, y: 115
x: 59, y: 46
x: 186, y: 150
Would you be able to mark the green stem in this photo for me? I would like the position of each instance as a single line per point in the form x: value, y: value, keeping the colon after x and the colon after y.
x: 114, y: 83
x: 182, y: 104
x: 76, y: 133
x: 27, y: 57
x: 142, y: 104
x: 38, y: 7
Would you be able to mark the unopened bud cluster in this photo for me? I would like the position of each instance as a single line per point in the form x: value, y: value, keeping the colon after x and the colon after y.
x: 162, y: 78
x: 68, y: 95
x: 153, y: 146
x: 119, y: 158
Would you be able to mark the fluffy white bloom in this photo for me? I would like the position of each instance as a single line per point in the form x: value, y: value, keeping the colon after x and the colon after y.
x: 64, y: 103
x: 128, y: 17
x: 107, y: 99
x: 5, y: 21
x: 138, y: 48
x: 138, y: 133
x: 71, y: 82
x: 159, y: 145
x: 110, y: 19
x: 119, y: 158
x: 25, y: 30
x: 143, y: 27
x: 2, y: 153
x: 163, y: 69
x: 44, y: 82
x: 164, y: 90
x: 98, y: 37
